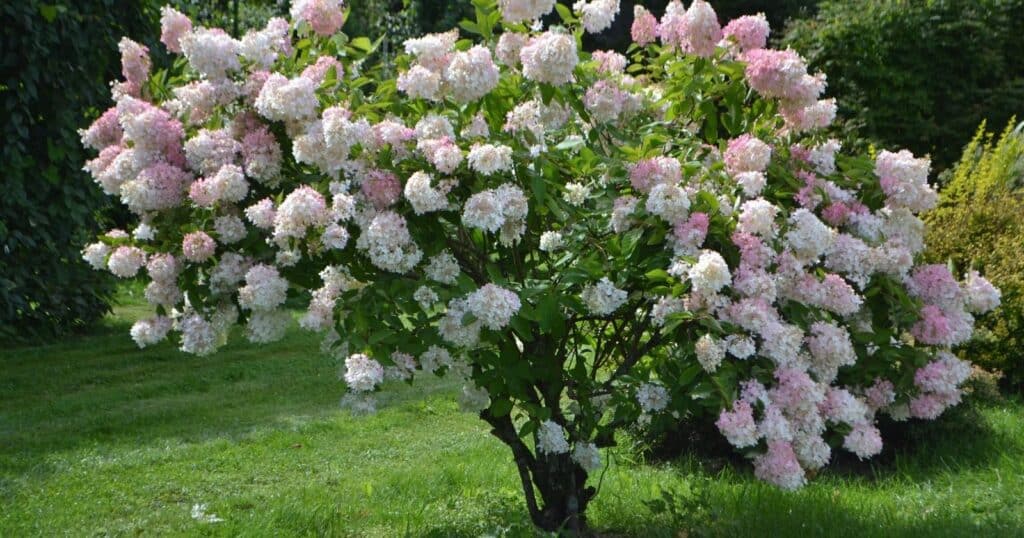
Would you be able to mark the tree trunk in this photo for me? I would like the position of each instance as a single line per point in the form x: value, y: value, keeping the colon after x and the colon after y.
x: 561, y: 484
x: 560, y: 481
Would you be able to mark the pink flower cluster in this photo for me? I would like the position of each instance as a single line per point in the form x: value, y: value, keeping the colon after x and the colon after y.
x: 325, y: 17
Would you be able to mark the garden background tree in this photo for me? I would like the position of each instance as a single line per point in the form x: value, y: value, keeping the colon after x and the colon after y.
x: 865, y: 45
x: 55, y: 66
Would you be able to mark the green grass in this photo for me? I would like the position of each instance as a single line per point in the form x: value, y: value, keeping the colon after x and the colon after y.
x: 99, y: 438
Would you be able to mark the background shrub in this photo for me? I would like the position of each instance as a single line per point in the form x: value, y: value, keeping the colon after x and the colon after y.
x: 978, y: 225
x: 235, y: 16
x: 55, y: 62
x: 919, y: 74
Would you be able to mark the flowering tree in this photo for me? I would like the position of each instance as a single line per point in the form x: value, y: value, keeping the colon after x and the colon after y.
x: 585, y: 240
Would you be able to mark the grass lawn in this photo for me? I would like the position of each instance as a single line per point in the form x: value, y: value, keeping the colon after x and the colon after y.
x: 100, y: 438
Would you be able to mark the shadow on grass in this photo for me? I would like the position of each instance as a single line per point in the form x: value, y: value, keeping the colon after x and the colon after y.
x: 745, y: 511
x: 830, y: 513
x: 962, y: 438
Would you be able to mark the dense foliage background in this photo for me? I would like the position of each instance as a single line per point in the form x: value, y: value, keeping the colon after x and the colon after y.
x: 55, y: 62
x: 919, y: 74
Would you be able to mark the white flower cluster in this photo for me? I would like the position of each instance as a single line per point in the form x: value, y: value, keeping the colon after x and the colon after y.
x: 125, y: 262
x: 710, y: 274
x: 230, y: 229
x: 550, y: 57
x: 443, y: 268
x: 386, y: 240
x: 514, y: 11
x: 576, y: 194
x: 551, y: 438
x: 320, y: 314
x: 830, y: 349
x: 229, y: 271
x: 423, y: 197
x: 981, y: 295
x: 905, y: 181
x: 587, y: 456
x: 264, y: 289
x: 471, y: 74
x: 758, y: 217
x: 652, y: 397
x: 227, y: 185
x: 494, y: 306
x: 710, y: 352
x: 808, y: 237
x: 473, y: 398
x: 597, y: 15
x: 262, y: 214
x: 263, y: 47
x: 550, y: 241
x: 198, y: 336
x: 603, y: 298
x: 488, y: 159
x: 440, y: 71
x: 453, y: 330
x: 445, y: 155
x: 362, y: 373
x: 303, y: 208
x: 150, y: 331
x: 425, y: 296
x: 503, y: 208
x: 211, y: 52
x: 208, y: 151
x: 265, y: 326
x: 282, y: 99
x: 669, y: 202
x: 508, y: 47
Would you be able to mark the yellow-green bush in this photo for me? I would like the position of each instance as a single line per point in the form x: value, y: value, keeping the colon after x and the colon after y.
x: 980, y: 224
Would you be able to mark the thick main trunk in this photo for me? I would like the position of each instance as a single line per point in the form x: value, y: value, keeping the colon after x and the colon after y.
x: 560, y: 481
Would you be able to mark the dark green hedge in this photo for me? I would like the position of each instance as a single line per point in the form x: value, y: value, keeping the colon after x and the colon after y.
x: 56, y: 59
x: 921, y: 74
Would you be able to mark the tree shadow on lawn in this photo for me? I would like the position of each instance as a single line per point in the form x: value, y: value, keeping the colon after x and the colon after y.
x: 102, y: 391
x: 757, y: 510
x: 962, y: 438
x: 750, y: 511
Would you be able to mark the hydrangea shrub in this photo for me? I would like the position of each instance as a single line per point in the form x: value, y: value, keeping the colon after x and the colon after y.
x: 587, y: 241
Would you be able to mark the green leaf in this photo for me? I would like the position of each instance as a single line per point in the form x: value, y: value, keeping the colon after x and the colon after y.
x: 501, y: 407
x: 539, y: 186
x: 563, y: 11
x: 710, y: 121
x: 658, y: 275
x: 549, y: 314
x: 48, y: 12
x: 362, y: 43
x: 570, y: 143
x: 528, y: 428
x: 547, y: 92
